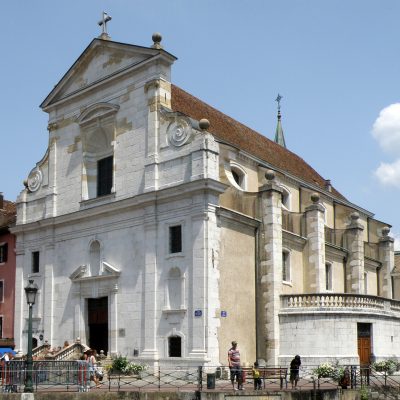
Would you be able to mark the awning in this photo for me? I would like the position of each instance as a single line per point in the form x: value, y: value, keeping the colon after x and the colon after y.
x: 7, y: 350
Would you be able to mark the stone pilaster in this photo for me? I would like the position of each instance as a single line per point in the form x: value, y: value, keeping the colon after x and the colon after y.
x: 158, y: 94
x: 113, y: 313
x: 149, y: 319
x: 386, y: 256
x: 152, y: 140
x: 315, y: 248
x: 270, y: 274
x: 355, y: 259
x: 48, y: 293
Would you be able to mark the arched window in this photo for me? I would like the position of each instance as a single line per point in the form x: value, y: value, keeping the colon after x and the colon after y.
x: 174, y: 289
x: 97, y: 127
x: 94, y: 258
x: 175, y: 346
x: 328, y: 276
x: 286, y: 276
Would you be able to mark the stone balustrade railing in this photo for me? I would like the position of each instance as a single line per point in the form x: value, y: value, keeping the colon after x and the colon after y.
x: 339, y: 300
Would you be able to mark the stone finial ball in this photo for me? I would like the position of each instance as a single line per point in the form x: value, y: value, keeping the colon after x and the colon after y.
x: 385, y: 231
x: 315, y: 197
x: 204, y: 124
x: 354, y: 216
x: 156, y: 37
x: 270, y: 175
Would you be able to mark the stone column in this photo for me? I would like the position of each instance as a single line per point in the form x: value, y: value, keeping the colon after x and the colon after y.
x: 355, y: 259
x: 315, y: 248
x: 270, y: 276
x: 386, y: 256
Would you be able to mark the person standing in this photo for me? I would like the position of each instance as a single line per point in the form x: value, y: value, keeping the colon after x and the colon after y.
x: 256, y: 377
x: 92, y: 364
x: 234, y: 366
x: 294, y: 371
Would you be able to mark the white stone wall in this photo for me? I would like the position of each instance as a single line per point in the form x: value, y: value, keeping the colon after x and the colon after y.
x: 331, y: 337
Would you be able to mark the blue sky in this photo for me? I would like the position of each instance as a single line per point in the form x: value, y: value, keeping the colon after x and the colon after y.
x: 336, y: 64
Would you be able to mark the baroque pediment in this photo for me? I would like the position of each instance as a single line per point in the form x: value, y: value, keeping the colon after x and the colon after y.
x: 83, y: 272
x: 101, y: 60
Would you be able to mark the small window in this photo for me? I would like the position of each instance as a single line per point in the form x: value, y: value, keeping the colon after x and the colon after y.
x: 35, y: 262
x: 239, y: 177
x: 3, y: 252
x: 285, y: 266
x: 286, y: 198
x: 328, y: 276
x: 366, y: 283
x: 175, y: 239
x: 104, y: 176
x: 1, y: 291
x: 174, y: 346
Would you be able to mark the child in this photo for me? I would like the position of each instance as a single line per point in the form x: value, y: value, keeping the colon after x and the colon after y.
x: 256, y: 377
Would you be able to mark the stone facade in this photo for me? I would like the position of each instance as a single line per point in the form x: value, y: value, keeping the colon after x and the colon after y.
x: 154, y: 234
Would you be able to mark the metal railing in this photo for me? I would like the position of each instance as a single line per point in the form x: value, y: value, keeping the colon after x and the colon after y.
x: 74, y: 376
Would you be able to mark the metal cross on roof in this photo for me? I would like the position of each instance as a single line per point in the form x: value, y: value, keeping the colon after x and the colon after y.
x: 278, y: 100
x: 103, y: 23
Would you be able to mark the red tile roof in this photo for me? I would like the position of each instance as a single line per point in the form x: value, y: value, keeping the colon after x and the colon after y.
x: 233, y: 132
x: 8, y: 213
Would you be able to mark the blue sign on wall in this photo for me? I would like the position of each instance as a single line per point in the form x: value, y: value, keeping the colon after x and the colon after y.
x: 224, y: 313
x: 198, y: 313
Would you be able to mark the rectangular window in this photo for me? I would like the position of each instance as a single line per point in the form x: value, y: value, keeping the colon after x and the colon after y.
x: 285, y: 266
x: 366, y: 283
x: 35, y: 262
x: 3, y: 252
x: 328, y: 276
x: 104, y: 176
x: 175, y: 239
x: 1, y: 291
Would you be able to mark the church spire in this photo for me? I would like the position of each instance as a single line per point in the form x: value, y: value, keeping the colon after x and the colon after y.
x: 279, y: 138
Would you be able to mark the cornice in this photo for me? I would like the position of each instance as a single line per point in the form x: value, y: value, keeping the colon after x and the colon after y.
x: 163, y: 195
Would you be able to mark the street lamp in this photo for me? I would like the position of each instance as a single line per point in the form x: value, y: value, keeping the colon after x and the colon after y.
x: 30, y: 292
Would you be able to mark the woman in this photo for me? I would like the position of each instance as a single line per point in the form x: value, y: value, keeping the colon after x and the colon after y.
x: 92, y: 364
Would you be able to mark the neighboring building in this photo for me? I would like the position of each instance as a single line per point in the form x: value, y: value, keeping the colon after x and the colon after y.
x: 155, y: 234
x: 7, y: 273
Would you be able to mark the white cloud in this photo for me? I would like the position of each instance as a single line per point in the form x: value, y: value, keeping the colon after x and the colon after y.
x: 389, y: 174
x: 396, y: 241
x: 386, y: 129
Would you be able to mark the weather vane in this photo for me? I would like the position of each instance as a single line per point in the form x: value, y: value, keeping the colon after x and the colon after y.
x: 103, y: 23
x: 278, y: 100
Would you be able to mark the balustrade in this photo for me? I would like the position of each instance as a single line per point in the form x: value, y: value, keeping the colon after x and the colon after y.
x: 338, y: 300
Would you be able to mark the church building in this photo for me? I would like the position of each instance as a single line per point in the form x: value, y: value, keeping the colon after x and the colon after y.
x: 159, y: 228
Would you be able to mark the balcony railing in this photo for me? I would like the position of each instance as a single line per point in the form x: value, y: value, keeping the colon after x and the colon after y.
x: 339, y: 300
x: 293, y: 222
x: 336, y: 237
x: 371, y: 250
